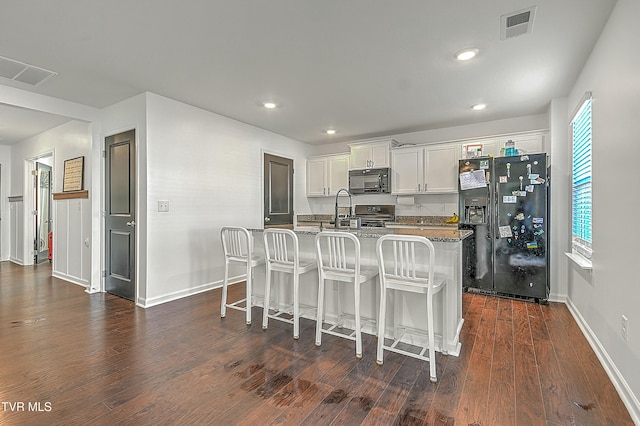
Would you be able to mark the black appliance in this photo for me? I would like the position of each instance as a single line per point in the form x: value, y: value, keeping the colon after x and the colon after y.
x: 370, y: 181
x: 504, y: 200
x: 375, y: 216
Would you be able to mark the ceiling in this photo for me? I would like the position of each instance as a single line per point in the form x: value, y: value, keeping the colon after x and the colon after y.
x: 366, y: 68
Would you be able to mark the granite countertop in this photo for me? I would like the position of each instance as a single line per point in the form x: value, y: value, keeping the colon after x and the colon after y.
x: 433, y: 233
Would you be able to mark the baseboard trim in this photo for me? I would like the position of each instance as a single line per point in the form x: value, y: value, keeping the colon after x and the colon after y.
x: 626, y: 394
x: 169, y: 297
x: 71, y: 279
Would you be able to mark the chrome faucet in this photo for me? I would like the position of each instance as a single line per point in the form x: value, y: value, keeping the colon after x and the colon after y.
x: 336, y: 220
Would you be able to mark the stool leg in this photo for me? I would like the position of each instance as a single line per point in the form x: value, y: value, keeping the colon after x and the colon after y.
x: 248, y: 301
x: 358, y: 326
x: 320, y: 312
x: 381, y: 325
x: 223, y: 304
x: 336, y: 293
x: 296, y: 306
x: 445, y: 349
x: 432, y: 340
x: 267, y: 297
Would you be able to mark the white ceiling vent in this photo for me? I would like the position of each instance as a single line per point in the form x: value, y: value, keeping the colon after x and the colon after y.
x: 25, y: 73
x: 517, y: 23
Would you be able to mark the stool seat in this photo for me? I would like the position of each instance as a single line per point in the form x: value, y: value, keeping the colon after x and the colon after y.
x: 237, y: 245
x: 338, y: 255
x: 406, y: 264
x: 281, y: 249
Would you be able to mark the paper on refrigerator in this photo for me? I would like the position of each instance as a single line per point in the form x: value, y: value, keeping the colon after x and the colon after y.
x: 472, y: 180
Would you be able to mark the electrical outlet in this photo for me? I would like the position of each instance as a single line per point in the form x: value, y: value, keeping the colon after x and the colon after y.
x: 163, y: 205
x: 625, y: 328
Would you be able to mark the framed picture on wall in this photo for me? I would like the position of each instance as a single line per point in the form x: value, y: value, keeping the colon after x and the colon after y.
x: 73, y: 175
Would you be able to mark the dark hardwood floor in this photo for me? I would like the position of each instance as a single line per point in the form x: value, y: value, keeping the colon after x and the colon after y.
x: 72, y: 358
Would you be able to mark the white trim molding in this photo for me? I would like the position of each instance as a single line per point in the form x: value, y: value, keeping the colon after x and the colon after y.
x: 626, y: 394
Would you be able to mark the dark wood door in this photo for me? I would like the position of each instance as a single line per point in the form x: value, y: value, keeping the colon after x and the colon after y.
x: 278, y: 191
x: 120, y: 224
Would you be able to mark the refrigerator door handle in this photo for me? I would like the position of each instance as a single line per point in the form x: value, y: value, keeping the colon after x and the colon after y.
x: 496, y: 217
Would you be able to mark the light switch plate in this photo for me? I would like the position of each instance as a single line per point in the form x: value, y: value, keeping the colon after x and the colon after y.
x: 163, y: 205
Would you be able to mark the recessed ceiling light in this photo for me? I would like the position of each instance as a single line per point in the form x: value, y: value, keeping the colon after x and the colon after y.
x: 466, y: 54
x: 269, y: 105
x: 479, y: 107
x: 331, y: 132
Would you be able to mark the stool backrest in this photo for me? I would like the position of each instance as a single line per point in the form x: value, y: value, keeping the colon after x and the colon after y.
x: 338, y: 252
x: 281, y: 246
x: 406, y: 258
x: 236, y: 242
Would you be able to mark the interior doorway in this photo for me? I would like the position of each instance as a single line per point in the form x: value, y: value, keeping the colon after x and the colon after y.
x: 278, y: 191
x: 38, y: 211
x: 120, y: 220
x: 43, y: 221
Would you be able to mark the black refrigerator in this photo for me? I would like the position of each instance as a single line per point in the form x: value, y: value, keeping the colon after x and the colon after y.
x: 504, y: 200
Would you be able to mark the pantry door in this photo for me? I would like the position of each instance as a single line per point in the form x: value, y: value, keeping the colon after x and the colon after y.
x: 278, y: 191
x: 120, y: 203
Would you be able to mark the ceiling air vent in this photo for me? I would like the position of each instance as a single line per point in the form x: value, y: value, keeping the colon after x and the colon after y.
x: 25, y: 73
x: 517, y: 23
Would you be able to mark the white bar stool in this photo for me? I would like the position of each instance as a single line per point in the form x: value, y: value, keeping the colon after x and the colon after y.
x: 237, y: 244
x: 282, y: 255
x: 407, y: 264
x: 338, y: 255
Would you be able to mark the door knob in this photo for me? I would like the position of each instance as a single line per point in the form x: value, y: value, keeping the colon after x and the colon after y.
x: 267, y: 219
x: 132, y: 223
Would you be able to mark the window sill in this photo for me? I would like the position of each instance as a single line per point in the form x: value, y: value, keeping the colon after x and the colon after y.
x: 582, y: 262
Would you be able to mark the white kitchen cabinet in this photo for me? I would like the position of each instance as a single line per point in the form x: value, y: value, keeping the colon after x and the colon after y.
x: 371, y: 154
x: 525, y: 144
x: 326, y: 174
x: 425, y: 170
x: 407, y: 170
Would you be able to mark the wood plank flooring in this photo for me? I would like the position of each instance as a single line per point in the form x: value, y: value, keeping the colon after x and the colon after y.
x: 74, y: 358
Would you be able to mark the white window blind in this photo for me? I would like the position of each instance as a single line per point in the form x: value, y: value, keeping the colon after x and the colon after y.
x: 581, y: 181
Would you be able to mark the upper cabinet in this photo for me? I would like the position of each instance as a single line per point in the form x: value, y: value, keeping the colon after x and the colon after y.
x: 327, y: 174
x: 524, y: 143
x: 371, y: 154
x: 425, y: 170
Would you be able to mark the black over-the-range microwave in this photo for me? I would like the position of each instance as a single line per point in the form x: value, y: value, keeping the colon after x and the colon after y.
x: 370, y: 181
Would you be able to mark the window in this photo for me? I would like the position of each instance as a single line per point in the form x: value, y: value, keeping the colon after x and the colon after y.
x: 581, y: 180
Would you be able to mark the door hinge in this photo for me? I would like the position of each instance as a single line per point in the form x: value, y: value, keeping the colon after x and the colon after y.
x: 34, y: 212
x: 104, y: 154
x: 104, y: 273
x: 104, y: 213
x: 34, y: 172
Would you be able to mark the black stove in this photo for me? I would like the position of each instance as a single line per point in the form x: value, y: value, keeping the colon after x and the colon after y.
x: 375, y: 216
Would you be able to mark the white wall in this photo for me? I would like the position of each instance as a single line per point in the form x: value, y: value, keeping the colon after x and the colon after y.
x: 560, y: 196
x: 210, y: 169
x: 5, y: 193
x: 71, y: 218
x: 459, y: 133
x: 612, y: 75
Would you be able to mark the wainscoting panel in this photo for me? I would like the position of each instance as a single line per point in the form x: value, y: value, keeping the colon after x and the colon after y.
x: 16, y: 217
x: 71, y: 234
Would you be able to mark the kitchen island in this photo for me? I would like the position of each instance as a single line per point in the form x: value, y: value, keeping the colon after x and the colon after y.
x: 407, y: 312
